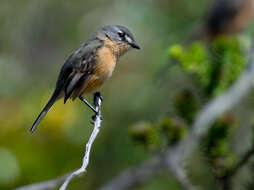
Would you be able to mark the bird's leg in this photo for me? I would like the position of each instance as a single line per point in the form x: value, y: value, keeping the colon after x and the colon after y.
x: 88, y: 104
x: 96, y: 98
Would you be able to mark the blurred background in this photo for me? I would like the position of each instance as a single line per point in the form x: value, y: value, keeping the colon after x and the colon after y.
x: 37, y: 36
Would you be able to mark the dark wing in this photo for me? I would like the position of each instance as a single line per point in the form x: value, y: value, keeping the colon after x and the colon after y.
x: 75, y: 72
x: 78, y: 68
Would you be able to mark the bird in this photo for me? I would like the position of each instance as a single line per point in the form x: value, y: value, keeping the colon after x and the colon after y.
x: 90, y: 66
x: 225, y: 17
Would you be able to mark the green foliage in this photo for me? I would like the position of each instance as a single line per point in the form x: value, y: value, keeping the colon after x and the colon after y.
x: 216, y: 146
x: 145, y: 133
x: 193, y: 60
x: 214, y: 69
x: 229, y: 62
x: 186, y: 105
x: 173, y: 129
x: 167, y: 131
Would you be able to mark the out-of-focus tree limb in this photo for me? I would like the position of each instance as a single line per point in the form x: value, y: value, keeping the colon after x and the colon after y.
x: 214, y: 109
x: 133, y: 177
x: 173, y: 158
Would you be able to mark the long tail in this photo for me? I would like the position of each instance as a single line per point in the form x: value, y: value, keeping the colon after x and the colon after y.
x: 45, y: 110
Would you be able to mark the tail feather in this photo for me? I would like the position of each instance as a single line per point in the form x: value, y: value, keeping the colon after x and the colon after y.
x: 45, y: 110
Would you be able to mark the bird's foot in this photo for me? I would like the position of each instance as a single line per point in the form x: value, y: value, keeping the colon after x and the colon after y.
x: 97, y: 97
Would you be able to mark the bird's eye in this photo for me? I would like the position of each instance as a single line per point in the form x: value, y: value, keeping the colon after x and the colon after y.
x: 121, y: 34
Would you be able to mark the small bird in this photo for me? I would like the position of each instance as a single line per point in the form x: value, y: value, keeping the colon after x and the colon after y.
x: 87, y: 68
x: 225, y: 17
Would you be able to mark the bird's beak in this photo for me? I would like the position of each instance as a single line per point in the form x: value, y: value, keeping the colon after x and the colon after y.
x: 134, y: 45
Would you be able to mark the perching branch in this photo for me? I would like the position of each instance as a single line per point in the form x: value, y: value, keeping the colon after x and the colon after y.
x: 96, y: 130
x: 65, y: 180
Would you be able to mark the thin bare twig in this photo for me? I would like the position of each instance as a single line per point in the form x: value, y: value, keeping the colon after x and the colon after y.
x: 47, y: 185
x: 96, y: 130
x: 65, y: 180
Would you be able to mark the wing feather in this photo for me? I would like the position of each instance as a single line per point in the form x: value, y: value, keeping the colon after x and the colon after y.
x: 82, y: 63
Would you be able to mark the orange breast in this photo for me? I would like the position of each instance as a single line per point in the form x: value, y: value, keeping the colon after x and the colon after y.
x: 106, y: 62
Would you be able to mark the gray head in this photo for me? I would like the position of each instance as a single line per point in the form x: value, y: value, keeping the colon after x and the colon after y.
x: 120, y: 35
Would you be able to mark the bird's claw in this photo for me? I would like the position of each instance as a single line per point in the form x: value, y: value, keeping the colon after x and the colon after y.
x: 97, y: 96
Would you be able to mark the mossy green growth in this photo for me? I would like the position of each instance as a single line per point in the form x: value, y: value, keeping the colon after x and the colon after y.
x: 145, y: 133
x: 176, y: 52
x: 213, y: 68
x: 173, y: 129
x: 228, y: 56
x: 194, y: 61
